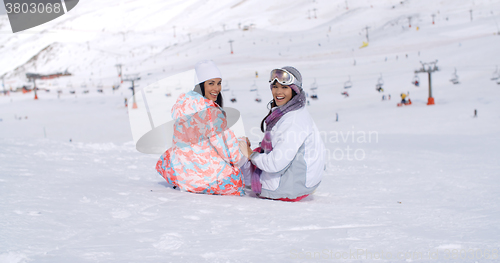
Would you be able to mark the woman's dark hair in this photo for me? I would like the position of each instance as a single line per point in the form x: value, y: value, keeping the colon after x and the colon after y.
x: 273, y: 104
x: 219, y: 100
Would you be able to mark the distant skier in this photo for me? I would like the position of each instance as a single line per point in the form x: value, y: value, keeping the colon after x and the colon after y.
x: 126, y: 105
x: 403, y: 98
x: 475, y: 113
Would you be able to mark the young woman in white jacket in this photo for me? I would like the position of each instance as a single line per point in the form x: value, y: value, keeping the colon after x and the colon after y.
x: 289, y: 163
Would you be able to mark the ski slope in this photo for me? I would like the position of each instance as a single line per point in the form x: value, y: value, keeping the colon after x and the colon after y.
x: 403, y: 184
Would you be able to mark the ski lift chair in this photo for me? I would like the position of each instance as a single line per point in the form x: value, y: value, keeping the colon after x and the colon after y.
x: 71, y: 89
x: 226, y: 86
x: 454, y: 78
x: 233, y: 97
x: 348, y: 84
x: 314, y: 95
x: 496, y: 75
x: 314, y: 86
x: 99, y: 88
x: 257, y: 98
x: 416, y: 80
x: 84, y: 87
x: 253, y: 87
x: 380, y: 84
x: 380, y: 81
x: 69, y: 86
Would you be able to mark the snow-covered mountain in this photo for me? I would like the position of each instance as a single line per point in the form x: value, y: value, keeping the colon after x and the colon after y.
x: 162, y: 37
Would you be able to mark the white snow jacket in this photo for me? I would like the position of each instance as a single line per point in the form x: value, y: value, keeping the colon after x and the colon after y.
x: 295, y: 165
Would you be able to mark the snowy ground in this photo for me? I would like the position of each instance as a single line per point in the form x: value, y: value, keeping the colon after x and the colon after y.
x: 411, y: 184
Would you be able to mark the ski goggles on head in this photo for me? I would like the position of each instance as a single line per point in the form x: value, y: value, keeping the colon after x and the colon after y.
x: 283, y: 77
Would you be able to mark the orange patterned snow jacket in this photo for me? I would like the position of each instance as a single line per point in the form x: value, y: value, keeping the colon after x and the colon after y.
x: 205, y: 153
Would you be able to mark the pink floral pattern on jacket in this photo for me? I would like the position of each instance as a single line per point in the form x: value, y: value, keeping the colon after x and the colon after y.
x: 205, y: 153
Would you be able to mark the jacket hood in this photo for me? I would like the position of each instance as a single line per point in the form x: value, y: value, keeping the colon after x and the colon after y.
x: 189, y: 104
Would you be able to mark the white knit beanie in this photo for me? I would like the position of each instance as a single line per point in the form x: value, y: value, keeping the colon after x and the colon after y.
x: 205, y: 70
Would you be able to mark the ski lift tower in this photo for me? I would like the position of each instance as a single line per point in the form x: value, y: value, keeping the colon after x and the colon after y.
x: 231, y: 45
x: 3, y: 85
x: 133, y: 78
x: 119, y: 68
x: 367, y: 38
x: 33, y: 77
x: 428, y: 68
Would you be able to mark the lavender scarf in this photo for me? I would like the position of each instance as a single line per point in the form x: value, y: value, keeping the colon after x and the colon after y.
x: 297, y: 102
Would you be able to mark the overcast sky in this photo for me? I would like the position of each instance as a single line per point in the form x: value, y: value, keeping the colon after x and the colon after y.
x: 2, y: 8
